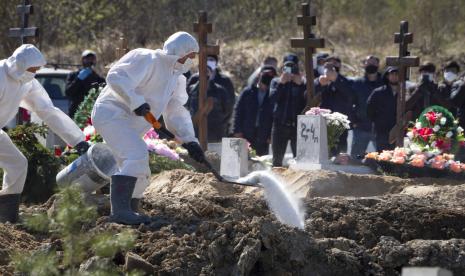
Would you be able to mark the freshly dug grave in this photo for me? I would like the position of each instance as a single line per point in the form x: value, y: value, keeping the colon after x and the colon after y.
x: 204, y: 227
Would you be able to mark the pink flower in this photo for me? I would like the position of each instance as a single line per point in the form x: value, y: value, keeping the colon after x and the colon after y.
x: 164, y: 150
x: 151, y: 134
x: 398, y: 160
x: 456, y: 167
x: 317, y: 111
x: 418, y: 162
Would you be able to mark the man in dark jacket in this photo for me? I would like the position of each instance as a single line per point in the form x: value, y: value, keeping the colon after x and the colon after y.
x: 253, y: 115
x: 336, y: 94
x: 253, y: 78
x: 288, y: 93
x: 362, y: 87
x: 382, y: 107
x: 221, y: 108
x: 450, y: 73
x: 80, y: 82
x: 217, y: 77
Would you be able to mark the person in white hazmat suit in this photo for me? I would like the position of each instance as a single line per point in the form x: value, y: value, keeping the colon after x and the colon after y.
x: 18, y: 88
x: 143, y: 81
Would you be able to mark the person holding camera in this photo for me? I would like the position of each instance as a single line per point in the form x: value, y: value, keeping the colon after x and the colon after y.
x: 336, y: 94
x: 427, y: 93
x: 289, y: 95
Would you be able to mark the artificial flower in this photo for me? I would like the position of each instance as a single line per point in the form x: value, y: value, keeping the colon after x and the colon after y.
x: 443, y: 120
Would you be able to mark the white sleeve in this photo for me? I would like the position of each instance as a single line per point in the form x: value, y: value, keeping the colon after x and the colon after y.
x: 177, y: 118
x: 125, y: 76
x: 38, y: 101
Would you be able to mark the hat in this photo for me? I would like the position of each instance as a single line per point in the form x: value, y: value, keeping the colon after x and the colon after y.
x: 88, y: 53
x: 452, y: 64
x: 336, y: 58
x: 214, y: 56
x: 291, y: 58
x: 268, y: 68
x: 391, y: 69
x: 321, y: 56
x: 428, y: 67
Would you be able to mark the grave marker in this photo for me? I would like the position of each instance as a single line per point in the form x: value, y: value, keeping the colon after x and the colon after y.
x: 123, y: 48
x: 234, y: 157
x: 24, y: 32
x: 312, y: 142
x: 425, y: 271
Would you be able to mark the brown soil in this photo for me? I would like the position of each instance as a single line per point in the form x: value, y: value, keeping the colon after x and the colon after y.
x: 355, y: 225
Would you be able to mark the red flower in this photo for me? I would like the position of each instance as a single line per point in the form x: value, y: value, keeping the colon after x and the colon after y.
x: 432, y: 117
x: 89, y: 121
x: 425, y: 133
x: 462, y: 143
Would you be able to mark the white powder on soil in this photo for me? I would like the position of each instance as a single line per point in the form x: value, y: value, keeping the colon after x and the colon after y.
x: 287, y: 208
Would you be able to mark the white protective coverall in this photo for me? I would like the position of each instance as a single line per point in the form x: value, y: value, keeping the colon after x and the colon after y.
x: 144, y: 76
x: 19, y: 88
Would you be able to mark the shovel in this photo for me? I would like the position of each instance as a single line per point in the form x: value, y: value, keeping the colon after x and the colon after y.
x: 161, y: 129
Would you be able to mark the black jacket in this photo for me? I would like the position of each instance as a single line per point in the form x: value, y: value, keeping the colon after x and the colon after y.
x: 363, y: 88
x: 457, y: 97
x: 252, y: 120
x: 77, y: 89
x: 337, y: 96
x: 220, y: 79
x: 289, y: 101
x: 427, y: 94
x: 381, y: 109
x: 220, y: 116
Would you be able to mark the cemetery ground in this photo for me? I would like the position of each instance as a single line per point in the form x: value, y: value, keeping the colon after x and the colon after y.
x: 354, y: 225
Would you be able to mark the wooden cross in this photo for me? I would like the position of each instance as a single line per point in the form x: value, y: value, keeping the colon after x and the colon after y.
x: 24, y: 31
x: 202, y: 28
x: 123, y: 48
x: 404, y: 61
x: 309, y: 43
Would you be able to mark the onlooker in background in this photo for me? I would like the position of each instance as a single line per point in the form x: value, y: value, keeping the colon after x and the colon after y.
x: 426, y: 92
x: 336, y: 94
x: 451, y: 73
x: 253, y: 115
x: 221, y: 108
x: 320, y: 62
x: 80, y: 82
x: 457, y: 88
x: 362, y: 87
x: 382, y: 106
x: 216, y: 76
x: 253, y: 79
x: 288, y: 93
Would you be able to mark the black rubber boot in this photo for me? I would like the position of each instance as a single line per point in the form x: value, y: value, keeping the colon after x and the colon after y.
x: 9, y: 208
x: 121, y: 189
x: 135, y: 205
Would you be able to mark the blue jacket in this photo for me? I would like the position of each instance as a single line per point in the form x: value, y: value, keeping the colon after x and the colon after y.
x: 337, y: 96
x: 251, y: 119
x: 363, y: 88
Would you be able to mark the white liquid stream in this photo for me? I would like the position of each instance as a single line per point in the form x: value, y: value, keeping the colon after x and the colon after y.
x: 286, y: 207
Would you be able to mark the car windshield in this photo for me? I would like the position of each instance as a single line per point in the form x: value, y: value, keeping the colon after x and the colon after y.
x: 55, y: 85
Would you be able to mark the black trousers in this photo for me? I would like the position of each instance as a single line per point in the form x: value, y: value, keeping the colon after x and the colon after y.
x: 341, y: 146
x: 281, y: 134
x: 382, y: 142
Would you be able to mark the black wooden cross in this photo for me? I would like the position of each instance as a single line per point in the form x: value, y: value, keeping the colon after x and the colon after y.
x: 24, y: 32
x: 309, y: 43
x: 123, y: 48
x: 202, y: 28
x: 404, y: 61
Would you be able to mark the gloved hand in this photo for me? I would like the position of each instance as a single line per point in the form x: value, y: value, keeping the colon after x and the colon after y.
x: 84, y: 73
x: 82, y: 147
x: 142, y: 110
x: 195, y: 151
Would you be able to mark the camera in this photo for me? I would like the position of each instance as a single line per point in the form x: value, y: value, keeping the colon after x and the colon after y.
x: 291, y: 69
x: 287, y: 70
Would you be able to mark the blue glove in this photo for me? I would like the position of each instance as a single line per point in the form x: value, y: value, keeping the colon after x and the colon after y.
x: 84, y: 73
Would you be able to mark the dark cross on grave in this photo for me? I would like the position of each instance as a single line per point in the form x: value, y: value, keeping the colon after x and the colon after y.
x: 123, y: 48
x: 202, y: 28
x: 404, y: 61
x: 24, y: 32
x: 309, y: 42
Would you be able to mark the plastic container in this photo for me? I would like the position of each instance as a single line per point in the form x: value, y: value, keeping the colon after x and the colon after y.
x: 90, y: 171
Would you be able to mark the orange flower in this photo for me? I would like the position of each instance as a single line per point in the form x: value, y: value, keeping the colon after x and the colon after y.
x: 385, y: 155
x: 438, y: 164
x: 398, y: 160
x: 372, y: 155
x: 456, y: 167
x: 418, y: 162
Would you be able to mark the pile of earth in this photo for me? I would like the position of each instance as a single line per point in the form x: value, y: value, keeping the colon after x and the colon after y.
x: 355, y: 225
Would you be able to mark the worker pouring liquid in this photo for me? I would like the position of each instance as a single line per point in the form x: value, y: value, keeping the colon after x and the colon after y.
x: 19, y: 88
x: 144, y: 81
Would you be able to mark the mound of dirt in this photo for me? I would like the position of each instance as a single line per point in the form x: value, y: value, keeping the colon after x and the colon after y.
x: 13, y: 239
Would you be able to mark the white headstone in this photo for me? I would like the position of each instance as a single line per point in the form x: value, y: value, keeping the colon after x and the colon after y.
x: 214, y: 147
x: 425, y: 271
x: 312, y: 143
x: 234, y: 157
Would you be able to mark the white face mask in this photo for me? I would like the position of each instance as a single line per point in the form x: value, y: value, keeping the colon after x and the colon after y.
x: 212, y: 64
x: 27, y: 77
x: 450, y: 76
x: 183, y: 68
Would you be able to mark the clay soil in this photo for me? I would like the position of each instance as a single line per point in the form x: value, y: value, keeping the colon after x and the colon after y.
x: 355, y: 225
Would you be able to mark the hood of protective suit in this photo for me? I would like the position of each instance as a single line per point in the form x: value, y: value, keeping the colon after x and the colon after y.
x: 24, y: 57
x: 180, y: 44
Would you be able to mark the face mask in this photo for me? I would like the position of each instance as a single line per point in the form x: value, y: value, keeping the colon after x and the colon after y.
x: 371, y: 69
x: 184, y: 68
x: 426, y: 77
x: 450, y: 76
x: 320, y: 69
x: 266, y: 79
x: 87, y: 64
x: 212, y: 64
x: 27, y: 77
